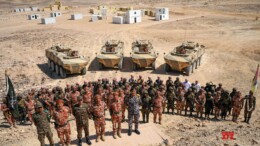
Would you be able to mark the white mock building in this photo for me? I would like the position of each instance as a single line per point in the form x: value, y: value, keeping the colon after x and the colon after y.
x: 50, y: 20
x: 118, y: 20
x: 76, y: 16
x: 19, y: 10
x: 34, y: 8
x: 133, y: 16
x: 96, y: 17
x: 27, y: 9
x: 34, y: 16
x: 55, y: 14
x: 161, y: 14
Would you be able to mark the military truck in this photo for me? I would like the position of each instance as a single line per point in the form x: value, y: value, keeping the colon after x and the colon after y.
x: 111, y: 55
x: 143, y: 54
x: 185, y: 57
x: 64, y: 60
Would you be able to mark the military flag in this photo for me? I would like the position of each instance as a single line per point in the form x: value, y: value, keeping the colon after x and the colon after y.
x: 255, y: 80
x: 11, y: 98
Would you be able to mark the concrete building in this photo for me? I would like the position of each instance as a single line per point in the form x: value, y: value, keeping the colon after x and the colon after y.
x: 161, y: 14
x: 96, y: 17
x: 118, y: 20
x: 50, y: 20
x: 133, y: 16
x: 34, y: 16
x: 76, y: 16
x: 55, y: 14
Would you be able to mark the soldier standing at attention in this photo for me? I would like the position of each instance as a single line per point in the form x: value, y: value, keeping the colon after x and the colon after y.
x: 200, y: 102
x: 61, y: 117
x: 237, y: 105
x: 116, y: 109
x: 98, y: 111
x: 81, y: 114
x: 146, y: 106
x: 157, y: 107
x: 170, y: 97
x: 42, y: 122
x: 29, y: 104
x: 133, y: 104
x: 250, y: 102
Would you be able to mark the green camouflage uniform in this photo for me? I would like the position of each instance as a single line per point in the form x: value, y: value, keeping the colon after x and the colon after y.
x: 81, y: 115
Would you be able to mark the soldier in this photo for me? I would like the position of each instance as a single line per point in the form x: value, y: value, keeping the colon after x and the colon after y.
x: 250, y: 102
x: 133, y: 104
x: 232, y: 94
x: 220, y: 88
x: 81, y: 111
x: 180, y: 100
x: 170, y: 97
x: 98, y: 112
x: 159, y: 81
x: 149, y: 81
x: 29, y: 103
x: 62, y: 126
x: 146, y: 106
x: 140, y: 80
x: 73, y: 98
x: 200, y: 102
x: 177, y: 83
x: 189, y: 97
x: 225, y: 102
x: 237, y: 105
x: 116, y: 109
x: 157, y: 107
x: 208, y: 104
x: 41, y: 120
x: 217, y: 104
x: 7, y: 114
x: 122, y: 101
x: 152, y: 91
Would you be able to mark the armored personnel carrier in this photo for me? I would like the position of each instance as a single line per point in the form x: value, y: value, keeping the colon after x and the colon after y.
x: 65, y: 61
x: 143, y: 54
x: 111, y: 55
x: 184, y: 58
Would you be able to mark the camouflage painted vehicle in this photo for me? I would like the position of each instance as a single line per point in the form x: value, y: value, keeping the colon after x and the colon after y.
x: 65, y: 61
x: 143, y: 54
x: 111, y: 55
x: 184, y: 57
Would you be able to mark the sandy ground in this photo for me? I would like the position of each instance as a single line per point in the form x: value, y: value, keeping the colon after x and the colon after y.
x: 228, y: 29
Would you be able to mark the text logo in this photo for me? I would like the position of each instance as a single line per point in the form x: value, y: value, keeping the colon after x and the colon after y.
x: 227, y: 135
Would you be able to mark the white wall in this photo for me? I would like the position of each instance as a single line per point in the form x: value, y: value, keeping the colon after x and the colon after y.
x: 50, y: 20
x: 76, y: 16
x: 161, y: 14
x: 118, y: 20
x: 34, y: 8
x: 27, y: 9
x: 133, y: 16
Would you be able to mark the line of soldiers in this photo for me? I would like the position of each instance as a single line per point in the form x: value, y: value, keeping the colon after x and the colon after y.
x: 90, y: 100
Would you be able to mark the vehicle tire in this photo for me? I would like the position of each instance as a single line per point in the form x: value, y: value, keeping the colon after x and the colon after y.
x: 167, y: 67
x: 153, y: 65
x: 63, y: 73
x: 134, y: 66
x: 199, y: 61
x: 188, y: 70
x: 52, y: 66
x: 83, y: 71
x: 57, y: 69
x: 192, y: 67
x: 196, y: 64
x: 49, y: 63
x: 100, y: 66
x: 120, y: 65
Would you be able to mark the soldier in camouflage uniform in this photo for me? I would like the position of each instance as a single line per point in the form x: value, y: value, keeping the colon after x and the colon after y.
x: 225, y: 101
x: 133, y: 104
x: 250, y: 102
x: 42, y: 122
x: 146, y: 106
x: 81, y: 111
x: 200, y: 101
x: 116, y: 110
x: 7, y: 114
x: 237, y: 102
x: 189, y: 97
x: 98, y: 112
x: 170, y: 97
x: 61, y: 117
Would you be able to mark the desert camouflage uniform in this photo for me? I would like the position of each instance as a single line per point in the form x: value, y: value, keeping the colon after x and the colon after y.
x: 99, y: 118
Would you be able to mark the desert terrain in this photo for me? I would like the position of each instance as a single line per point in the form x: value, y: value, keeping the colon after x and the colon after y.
x: 230, y: 30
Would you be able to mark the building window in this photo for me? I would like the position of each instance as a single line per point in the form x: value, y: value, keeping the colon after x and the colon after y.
x: 134, y: 12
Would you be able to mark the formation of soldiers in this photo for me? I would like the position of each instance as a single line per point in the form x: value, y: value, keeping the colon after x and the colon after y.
x: 92, y: 99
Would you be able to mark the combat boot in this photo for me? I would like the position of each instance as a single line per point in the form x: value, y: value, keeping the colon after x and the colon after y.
x: 137, y: 131
x: 80, y: 142
x: 247, y: 121
x: 88, y: 141
x: 103, y: 137
x: 98, y: 137
x: 129, y: 131
x: 119, y: 134
x: 114, y: 135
